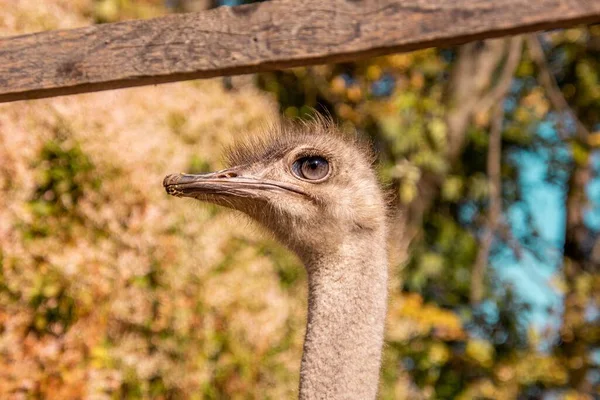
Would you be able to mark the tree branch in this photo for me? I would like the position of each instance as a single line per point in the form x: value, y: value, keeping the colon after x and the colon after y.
x: 494, y: 159
x: 547, y: 80
x: 505, y: 232
x: 505, y: 80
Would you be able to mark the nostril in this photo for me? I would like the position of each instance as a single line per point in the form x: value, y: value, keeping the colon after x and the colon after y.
x: 227, y: 175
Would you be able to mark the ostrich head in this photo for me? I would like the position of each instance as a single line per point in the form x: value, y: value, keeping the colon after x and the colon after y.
x: 308, y: 183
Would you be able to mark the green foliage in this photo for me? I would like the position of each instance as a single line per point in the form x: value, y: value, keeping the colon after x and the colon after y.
x: 54, y: 309
x: 65, y: 170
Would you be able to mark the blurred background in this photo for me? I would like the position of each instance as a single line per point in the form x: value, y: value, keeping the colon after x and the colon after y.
x: 111, y: 289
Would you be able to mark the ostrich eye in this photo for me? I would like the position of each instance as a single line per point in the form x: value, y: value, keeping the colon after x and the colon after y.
x: 311, y: 168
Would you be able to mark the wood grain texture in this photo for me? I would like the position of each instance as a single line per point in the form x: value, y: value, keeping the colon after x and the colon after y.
x: 260, y: 37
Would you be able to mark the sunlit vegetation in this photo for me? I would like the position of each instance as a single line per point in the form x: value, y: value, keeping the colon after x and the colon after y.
x: 111, y: 289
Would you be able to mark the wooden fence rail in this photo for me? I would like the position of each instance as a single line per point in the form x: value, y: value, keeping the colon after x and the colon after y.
x: 260, y: 37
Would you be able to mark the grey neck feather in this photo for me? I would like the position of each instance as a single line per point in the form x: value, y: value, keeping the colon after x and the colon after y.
x: 346, y: 317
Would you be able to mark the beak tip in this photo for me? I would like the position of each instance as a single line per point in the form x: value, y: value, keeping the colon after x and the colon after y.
x: 169, y: 182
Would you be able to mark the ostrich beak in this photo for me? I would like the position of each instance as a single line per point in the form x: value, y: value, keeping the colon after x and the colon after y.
x: 227, y: 183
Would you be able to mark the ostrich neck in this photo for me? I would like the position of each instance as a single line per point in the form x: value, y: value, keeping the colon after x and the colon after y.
x: 346, y: 317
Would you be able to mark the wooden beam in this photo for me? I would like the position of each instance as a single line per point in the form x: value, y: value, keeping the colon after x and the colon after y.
x: 260, y: 37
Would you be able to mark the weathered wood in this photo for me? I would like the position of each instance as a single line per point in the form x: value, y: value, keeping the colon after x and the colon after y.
x: 260, y: 37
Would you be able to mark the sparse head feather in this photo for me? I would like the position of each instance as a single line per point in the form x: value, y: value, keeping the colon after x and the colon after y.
x: 281, y: 137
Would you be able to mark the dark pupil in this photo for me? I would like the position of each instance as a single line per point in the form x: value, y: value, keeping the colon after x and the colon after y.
x: 314, y: 163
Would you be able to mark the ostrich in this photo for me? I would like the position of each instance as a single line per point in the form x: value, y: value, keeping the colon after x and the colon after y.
x: 315, y: 189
